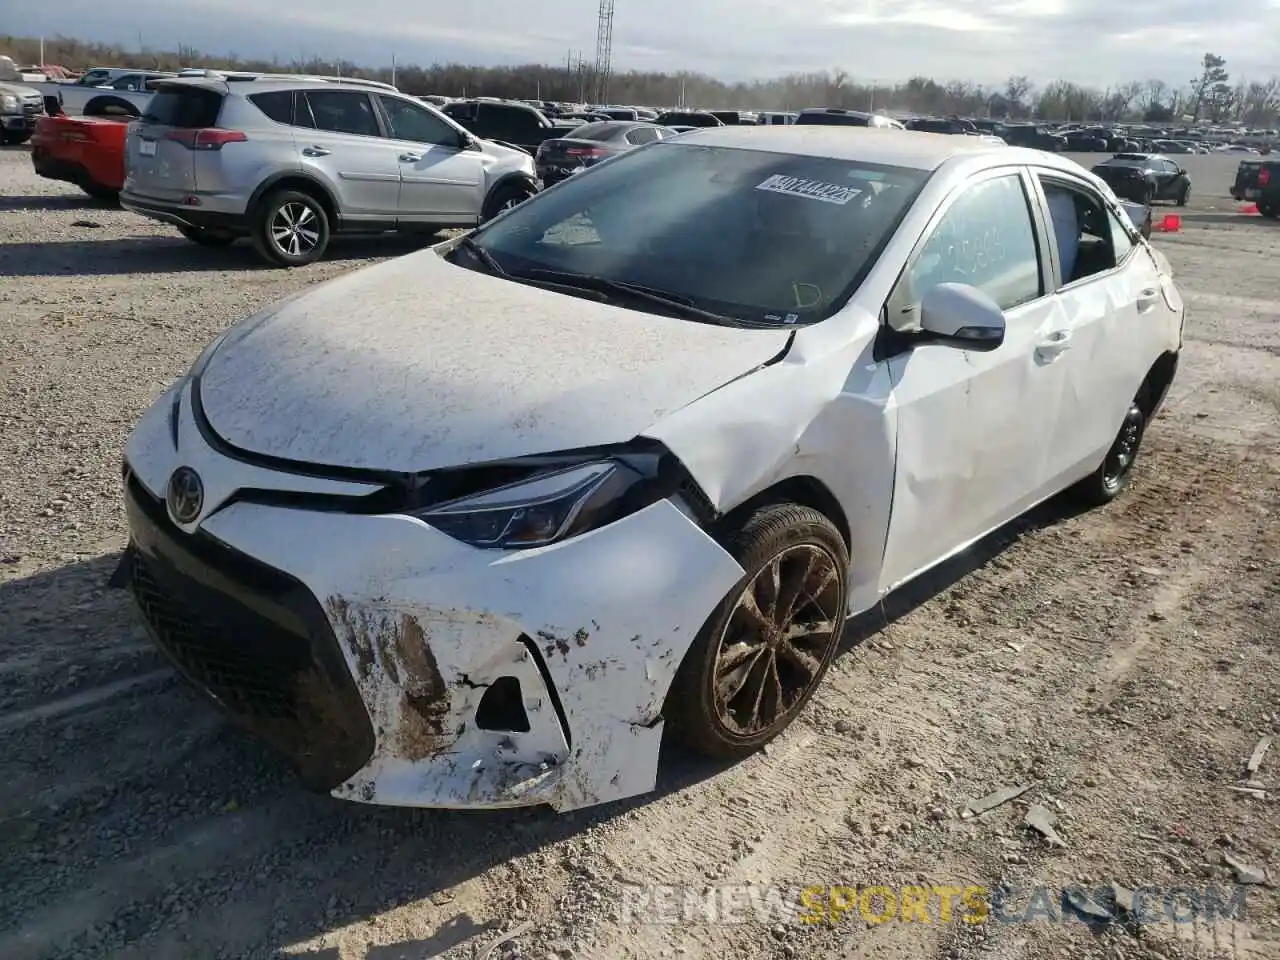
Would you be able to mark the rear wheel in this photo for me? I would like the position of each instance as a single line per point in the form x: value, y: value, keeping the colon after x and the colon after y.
x: 207, y: 238
x: 1269, y: 209
x: 764, y: 650
x: 1112, y: 478
x: 291, y: 229
x: 1184, y: 195
x: 11, y: 138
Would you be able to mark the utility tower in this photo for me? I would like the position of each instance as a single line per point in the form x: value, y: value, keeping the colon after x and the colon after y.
x: 604, y: 51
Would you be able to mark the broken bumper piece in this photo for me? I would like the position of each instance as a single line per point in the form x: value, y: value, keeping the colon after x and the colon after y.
x: 395, y: 665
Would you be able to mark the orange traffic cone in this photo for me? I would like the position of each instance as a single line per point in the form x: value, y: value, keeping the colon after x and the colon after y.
x: 1250, y: 209
x: 1170, y: 223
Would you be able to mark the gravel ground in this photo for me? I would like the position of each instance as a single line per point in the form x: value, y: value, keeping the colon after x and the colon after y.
x: 1122, y: 663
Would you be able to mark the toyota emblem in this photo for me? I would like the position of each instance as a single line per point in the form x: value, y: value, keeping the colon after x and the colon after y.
x: 186, y: 495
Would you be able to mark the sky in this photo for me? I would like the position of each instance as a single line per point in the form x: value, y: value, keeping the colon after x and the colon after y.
x: 1096, y: 42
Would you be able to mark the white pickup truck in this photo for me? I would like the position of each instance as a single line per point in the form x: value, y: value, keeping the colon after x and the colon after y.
x: 20, y: 104
x: 124, y: 87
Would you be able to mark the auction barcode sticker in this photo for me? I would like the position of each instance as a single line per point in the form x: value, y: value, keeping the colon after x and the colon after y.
x: 813, y: 189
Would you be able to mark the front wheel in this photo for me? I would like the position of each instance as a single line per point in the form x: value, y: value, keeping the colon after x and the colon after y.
x: 14, y: 138
x: 1112, y: 478
x: 505, y: 197
x: 1185, y: 195
x: 764, y: 650
x: 291, y: 229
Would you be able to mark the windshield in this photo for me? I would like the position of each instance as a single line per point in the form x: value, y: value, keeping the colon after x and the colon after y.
x: 605, y: 130
x: 753, y: 235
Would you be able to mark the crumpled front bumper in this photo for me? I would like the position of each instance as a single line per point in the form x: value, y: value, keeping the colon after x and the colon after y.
x: 583, y: 637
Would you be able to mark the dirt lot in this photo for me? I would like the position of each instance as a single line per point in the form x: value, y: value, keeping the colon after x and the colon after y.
x: 1123, y: 663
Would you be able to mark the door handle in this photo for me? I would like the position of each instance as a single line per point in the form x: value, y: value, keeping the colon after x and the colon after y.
x: 1055, y: 343
x: 315, y: 152
x: 1147, y: 299
x: 410, y: 157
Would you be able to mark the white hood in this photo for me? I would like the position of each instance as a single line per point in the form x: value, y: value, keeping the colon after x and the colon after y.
x: 417, y: 364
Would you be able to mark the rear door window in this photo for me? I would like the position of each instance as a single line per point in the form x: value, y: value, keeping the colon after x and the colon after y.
x: 642, y: 135
x: 277, y: 105
x: 343, y: 111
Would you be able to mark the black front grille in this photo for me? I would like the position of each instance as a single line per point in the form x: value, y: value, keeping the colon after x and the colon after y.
x: 251, y: 638
x: 251, y: 676
x: 32, y: 109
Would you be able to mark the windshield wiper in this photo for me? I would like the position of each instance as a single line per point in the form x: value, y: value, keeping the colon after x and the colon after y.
x: 622, y: 289
x: 495, y: 268
x: 483, y: 255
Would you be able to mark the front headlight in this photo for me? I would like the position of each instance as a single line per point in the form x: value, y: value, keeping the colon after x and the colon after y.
x: 9, y: 102
x: 539, y: 510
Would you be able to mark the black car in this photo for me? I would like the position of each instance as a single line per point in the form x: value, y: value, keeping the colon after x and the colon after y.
x: 936, y: 125
x: 733, y: 118
x: 839, y: 117
x: 1079, y: 141
x: 1033, y: 136
x: 562, y: 157
x: 1259, y: 181
x: 517, y: 124
x: 688, y: 118
x: 1145, y: 178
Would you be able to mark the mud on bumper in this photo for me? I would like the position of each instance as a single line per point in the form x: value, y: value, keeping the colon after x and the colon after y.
x: 251, y: 638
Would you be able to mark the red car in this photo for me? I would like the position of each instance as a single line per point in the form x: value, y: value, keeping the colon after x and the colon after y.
x: 87, y: 151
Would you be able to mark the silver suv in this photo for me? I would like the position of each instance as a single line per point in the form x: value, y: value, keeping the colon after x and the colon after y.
x: 288, y: 162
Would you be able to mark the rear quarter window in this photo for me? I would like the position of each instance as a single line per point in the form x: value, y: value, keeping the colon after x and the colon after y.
x: 192, y: 107
x: 277, y: 105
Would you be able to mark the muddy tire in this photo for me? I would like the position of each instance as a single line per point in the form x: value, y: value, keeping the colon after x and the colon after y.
x: 765, y: 649
x: 290, y: 229
x: 207, y: 238
x: 1114, y: 474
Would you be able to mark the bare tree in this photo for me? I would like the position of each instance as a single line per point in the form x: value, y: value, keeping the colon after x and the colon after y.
x: 1017, y: 90
x: 1255, y: 103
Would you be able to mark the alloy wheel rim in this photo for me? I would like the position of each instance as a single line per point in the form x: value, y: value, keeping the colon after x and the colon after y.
x: 295, y: 229
x: 1121, y: 456
x: 776, y: 640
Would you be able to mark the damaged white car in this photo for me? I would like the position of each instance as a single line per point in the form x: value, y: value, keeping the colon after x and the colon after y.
x: 472, y: 527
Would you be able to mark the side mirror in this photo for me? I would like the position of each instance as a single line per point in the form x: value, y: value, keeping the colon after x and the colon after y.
x: 962, y: 316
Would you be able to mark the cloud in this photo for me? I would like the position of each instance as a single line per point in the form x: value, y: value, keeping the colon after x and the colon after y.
x: 1087, y: 41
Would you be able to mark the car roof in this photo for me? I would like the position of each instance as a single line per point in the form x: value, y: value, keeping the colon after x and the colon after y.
x: 258, y: 84
x: 895, y: 148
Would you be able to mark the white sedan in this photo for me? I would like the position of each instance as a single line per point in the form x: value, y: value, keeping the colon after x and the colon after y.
x: 471, y: 527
